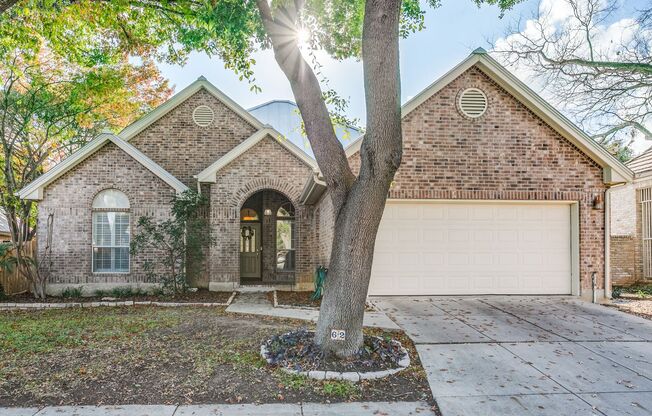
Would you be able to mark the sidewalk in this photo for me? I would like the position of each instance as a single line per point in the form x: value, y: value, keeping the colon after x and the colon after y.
x: 256, y: 303
x: 303, y: 409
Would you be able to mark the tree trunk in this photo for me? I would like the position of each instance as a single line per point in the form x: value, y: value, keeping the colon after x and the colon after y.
x: 356, y: 225
x: 358, y: 202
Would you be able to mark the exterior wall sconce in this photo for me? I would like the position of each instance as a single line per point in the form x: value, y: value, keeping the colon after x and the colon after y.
x: 268, y: 212
x: 598, y: 202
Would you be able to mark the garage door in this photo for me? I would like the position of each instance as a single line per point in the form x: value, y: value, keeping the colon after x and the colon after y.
x: 472, y: 248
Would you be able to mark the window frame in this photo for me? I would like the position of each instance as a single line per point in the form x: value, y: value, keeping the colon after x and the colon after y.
x: 94, y: 213
x: 293, y: 239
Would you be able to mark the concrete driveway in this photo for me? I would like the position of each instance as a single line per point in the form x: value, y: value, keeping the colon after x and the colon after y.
x: 517, y: 355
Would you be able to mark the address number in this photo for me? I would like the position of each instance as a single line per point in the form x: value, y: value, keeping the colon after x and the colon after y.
x: 338, y: 334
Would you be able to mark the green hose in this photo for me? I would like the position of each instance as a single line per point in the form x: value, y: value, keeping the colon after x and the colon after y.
x: 320, y: 277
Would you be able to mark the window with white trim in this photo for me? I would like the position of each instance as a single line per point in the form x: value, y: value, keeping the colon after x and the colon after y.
x: 285, y: 238
x: 111, y: 232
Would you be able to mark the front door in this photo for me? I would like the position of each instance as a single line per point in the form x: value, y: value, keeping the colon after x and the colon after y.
x: 250, y: 250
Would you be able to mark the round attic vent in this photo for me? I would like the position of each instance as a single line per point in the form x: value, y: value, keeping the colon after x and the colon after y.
x: 472, y: 102
x: 203, y: 116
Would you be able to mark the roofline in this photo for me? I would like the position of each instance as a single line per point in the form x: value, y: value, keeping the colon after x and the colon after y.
x: 209, y: 174
x: 142, y: 123
x: 256, y: 107
x: 34, y: 191
x: 614, y: 171
x: 348, y: 126
x: 638, y: 156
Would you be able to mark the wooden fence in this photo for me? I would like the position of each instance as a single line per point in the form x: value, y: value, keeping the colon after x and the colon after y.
x: 13, y: 282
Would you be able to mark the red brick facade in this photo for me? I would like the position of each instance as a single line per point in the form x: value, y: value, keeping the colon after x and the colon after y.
x: 506, y: 154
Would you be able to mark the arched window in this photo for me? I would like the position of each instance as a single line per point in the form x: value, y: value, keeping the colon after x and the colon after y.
x: 248, y: 214
x: 111, y: 232
x: 285, y: 238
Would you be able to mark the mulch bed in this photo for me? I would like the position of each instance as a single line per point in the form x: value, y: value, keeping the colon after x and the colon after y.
x: 150, y: 355
x: 200, y: 296
x: 299, y: 299
x: 296, y: 350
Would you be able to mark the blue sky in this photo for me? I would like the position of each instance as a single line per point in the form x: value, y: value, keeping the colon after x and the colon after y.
x: 452, y: 32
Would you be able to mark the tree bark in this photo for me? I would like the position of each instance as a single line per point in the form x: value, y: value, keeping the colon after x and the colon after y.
x: 358, y: 203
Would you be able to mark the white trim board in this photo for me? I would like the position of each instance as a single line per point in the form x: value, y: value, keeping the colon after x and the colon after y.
x: 209, y: 175
x: 141, y: 124
x: 614, y: 170
x: 34, y: 190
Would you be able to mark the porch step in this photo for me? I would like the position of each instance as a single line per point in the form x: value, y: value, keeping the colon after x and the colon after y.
x: 252, y: 299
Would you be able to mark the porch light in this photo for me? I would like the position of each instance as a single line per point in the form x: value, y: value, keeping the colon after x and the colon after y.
x: 598, y: 202
x: 268, y: 212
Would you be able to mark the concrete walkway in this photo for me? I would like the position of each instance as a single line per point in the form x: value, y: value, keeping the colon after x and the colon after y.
x: 256, y: 303
x: 543, y: 356
x: 302, y: 409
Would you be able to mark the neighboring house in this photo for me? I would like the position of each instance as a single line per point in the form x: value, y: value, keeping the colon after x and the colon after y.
x: 497, y: 194
x: 631, y: 224
x: 5, y: 235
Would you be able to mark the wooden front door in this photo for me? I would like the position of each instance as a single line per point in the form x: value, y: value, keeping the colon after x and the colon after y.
x: 250, y: 250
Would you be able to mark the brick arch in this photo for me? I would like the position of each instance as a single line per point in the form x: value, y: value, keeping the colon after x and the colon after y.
x: 292, y: 193
x: 104, y: 187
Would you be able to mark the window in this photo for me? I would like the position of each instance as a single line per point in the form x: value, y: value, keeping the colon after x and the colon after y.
x: 248, y: 214
x: 111, y: 233
x: 285, y: 236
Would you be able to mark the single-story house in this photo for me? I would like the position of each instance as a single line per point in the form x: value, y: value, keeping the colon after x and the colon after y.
x: 631, y: 225
x: 498, y: 193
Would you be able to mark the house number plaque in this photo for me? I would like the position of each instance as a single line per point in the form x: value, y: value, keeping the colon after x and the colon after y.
x: 338, y: 334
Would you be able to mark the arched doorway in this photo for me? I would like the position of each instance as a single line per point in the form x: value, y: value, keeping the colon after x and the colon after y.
x: 267, y: 238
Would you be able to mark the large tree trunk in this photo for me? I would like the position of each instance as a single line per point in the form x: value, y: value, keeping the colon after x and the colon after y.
x: 358, y: 202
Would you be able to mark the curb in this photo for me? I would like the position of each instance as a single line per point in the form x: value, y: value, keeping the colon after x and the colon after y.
x: 41, y: 306
x: 352, y: 376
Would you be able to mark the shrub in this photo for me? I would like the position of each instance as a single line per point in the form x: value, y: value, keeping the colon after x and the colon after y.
x: 616, y: 292
x: 2, y: 293
x: 72, y: 292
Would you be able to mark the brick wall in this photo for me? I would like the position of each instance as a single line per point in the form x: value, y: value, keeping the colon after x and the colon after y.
x: 267, y: 165
x: 184, y: 149
x: 624, y: 260
x: 70, y: 199
x: 508, y: 153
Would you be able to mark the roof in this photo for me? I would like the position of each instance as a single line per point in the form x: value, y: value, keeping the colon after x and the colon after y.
x: 641, y: 163
x: 613, y: 170
x: 285, y: 117
x: 210, y: 173
x: 35, y: 189
x: 141, y: 124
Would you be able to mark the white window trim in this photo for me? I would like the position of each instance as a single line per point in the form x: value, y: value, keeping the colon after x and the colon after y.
x: 93, y: 246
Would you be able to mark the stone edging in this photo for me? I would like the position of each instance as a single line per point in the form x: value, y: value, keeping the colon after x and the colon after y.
x: 352, y: 376
x: 38, y: 306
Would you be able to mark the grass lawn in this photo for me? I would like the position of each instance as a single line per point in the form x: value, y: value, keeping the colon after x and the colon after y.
x: 149, y: 355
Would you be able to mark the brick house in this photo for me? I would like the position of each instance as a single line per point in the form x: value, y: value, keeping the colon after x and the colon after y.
x: 497, y: 194
x: 631, y: 225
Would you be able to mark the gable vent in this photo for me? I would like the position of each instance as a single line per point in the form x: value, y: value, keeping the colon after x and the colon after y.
x: 472, y: 102
x: 203, y: 116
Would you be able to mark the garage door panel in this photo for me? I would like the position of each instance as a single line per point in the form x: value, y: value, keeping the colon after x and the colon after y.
x: 472, y: 248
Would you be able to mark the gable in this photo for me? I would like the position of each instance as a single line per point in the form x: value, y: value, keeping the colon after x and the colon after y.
x: 108, y: 167
x: 613, y: 171
x: 35, y: 190
x: 283, y: 149
x: 182, y: 147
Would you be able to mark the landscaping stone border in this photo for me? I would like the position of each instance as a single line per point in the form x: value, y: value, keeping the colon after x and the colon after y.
x: 38, y: 306
x: 353, y: 376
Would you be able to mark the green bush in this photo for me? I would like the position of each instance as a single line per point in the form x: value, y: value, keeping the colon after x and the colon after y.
x: 616, y: 292
x: 72, y: 292
x: 125, y: 292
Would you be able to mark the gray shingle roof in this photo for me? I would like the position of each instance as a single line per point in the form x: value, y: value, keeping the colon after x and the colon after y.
x: 641, y: 163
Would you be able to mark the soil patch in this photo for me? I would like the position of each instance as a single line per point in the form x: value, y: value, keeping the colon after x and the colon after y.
x: 200, y: 296
x: 296, y: 350
x: 150, y: 355
x: 300, y: 299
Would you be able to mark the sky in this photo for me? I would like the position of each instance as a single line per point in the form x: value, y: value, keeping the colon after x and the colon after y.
x: 452, y: 32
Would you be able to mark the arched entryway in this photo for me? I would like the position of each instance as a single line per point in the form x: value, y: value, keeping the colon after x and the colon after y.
x: 267, y: 239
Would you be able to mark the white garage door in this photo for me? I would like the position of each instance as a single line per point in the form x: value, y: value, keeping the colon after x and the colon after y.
x: 472, y: 248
